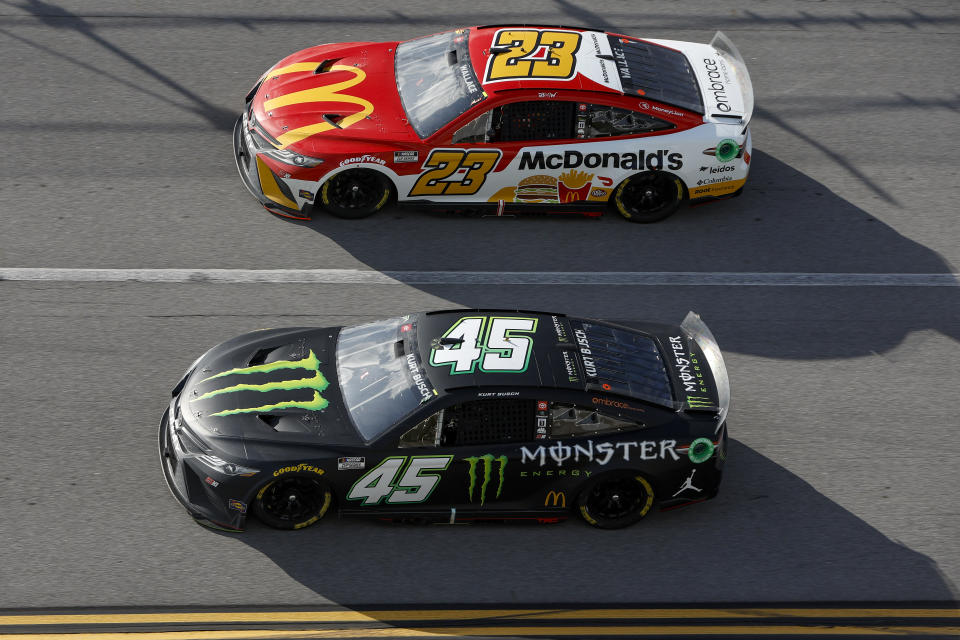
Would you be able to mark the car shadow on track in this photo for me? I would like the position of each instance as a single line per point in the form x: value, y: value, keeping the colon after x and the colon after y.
x: 769, y: 533
x: 785, y: 222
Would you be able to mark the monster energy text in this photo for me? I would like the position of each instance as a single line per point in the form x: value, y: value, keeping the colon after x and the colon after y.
x: 688, y: 367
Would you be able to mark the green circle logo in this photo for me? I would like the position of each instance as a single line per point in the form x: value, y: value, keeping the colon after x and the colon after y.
x: 727, y: 150
x: 700, y: 450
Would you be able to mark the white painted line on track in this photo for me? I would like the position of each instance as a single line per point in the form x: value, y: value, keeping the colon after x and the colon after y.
x: 361, y: 276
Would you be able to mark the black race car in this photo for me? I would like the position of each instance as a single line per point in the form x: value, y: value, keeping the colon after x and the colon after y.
x: 449, y: 416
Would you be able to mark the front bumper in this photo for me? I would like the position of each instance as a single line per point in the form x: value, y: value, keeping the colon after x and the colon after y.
x: 208, y: 505
x: 259, y: 179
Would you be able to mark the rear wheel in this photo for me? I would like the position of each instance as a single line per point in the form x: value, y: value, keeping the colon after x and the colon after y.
x: 292, y: 502
x: 648, y: 197
x: 615, y: 501
x: 355, y: 193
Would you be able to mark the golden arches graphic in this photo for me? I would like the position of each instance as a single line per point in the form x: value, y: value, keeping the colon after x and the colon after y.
x: 329, y: 93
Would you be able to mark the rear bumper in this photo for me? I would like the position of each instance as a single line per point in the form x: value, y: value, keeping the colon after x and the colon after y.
x: 704, y: 479
x: 189, y: 488
x: 250, y: 170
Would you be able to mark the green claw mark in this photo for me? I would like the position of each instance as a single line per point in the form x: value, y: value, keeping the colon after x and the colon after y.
x: 317, y: 383
x: 503, y: 464
x: 488, y: 461
x: 487, y: 464
x: 318, y: 403
x: 699, y: 402
x: 472, y: 461
x: 311, y: 363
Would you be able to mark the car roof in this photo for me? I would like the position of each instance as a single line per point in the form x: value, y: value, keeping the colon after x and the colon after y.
x: 567, y: 353
x: 604, y: 63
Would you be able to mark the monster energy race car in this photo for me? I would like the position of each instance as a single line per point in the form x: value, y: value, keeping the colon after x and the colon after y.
x: 450, y: 416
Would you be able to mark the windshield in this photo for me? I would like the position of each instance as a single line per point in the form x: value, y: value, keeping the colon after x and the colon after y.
x: 380, y: 374
x: 436, y: 80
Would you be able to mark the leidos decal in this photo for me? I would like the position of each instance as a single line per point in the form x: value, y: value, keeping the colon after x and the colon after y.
x: 330, y: 93
x: 316, y: 382
x: 628, y: 160
x: 555, y: 499
x: 488, y: 461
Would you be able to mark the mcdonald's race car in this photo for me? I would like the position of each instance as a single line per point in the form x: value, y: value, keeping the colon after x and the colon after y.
x: 505, y: 118
x: 449, y: 416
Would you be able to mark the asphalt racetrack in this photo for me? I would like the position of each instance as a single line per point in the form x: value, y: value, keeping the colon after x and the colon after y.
x: 842, y: 481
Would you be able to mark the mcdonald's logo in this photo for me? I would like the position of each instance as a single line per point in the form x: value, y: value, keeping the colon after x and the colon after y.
x: 555, y: 499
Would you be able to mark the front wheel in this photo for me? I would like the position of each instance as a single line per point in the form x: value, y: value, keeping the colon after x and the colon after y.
x: 293, y: 502
x: 615, y: 501
x: 648, y: 197
x: 355, y: 193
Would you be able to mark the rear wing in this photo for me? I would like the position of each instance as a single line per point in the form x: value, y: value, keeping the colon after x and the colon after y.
x: 698, y: 369
x: 737, y: 76
x: 721, y: 76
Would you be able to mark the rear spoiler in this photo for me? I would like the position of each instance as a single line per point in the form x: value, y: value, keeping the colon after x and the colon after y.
x: 735, y: 74
x: 698, y: 369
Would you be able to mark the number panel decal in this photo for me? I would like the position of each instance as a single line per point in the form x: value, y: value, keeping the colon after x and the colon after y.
x: 409, y: 487
x: 524, y: 59
x: 442, y: 164
x: 500, y: 350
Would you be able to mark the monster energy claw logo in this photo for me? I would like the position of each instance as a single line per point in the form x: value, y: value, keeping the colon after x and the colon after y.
x: 699, y: 402
x: 316, y: 382
x: 488, y: 461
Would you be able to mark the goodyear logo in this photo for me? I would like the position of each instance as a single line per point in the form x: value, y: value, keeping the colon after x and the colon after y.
x: 303, y: 466
x: 487, y: 461
x: 316, y: 383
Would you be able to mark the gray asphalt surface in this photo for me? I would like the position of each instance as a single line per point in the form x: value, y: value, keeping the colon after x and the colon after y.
x: 842, y: 481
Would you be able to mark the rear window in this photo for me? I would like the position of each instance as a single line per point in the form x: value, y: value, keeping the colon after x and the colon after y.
x: 623, y: 362
x: 657, y: 73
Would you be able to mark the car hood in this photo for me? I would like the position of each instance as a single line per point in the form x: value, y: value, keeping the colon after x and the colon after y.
x: 322, y: 95
x: 271, y: 386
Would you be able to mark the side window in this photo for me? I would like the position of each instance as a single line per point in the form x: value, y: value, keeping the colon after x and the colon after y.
x: 477, y: 130
x: 601, y: 121
x: 535, y: 120
x: 425, y: 434
x: 568, y: 420
x: 486, y: 422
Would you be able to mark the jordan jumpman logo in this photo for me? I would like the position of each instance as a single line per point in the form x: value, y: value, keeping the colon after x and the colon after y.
x: 687, y: 484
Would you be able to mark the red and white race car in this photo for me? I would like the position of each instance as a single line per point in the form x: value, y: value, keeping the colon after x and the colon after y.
x: 506, y: 117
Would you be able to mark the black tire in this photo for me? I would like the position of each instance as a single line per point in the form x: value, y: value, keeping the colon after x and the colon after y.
x: 355, y: 193
x: 292, y: 502
x: 615, y: 500
x: 648, y: 197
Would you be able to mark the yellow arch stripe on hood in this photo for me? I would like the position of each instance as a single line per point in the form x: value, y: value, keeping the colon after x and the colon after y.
x: 292, y: 68
x: 322, y: 94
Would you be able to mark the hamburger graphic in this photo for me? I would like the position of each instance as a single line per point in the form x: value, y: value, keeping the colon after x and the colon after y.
x: 537, y: 189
